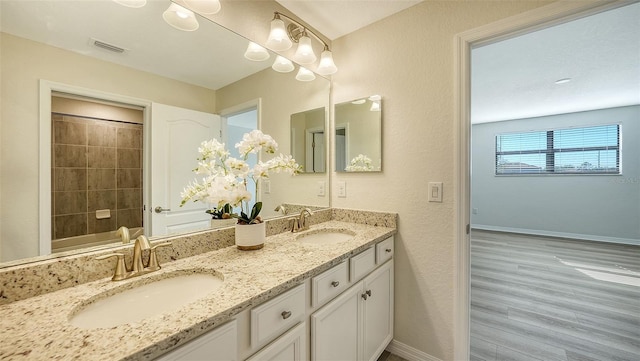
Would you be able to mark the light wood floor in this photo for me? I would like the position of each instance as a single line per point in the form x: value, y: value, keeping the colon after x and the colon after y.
x: 538, y: 298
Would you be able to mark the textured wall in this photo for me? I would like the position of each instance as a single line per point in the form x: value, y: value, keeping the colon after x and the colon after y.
x: 564, y: 205
x: 408, y: 59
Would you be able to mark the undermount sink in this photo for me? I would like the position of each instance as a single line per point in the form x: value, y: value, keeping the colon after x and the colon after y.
x: 149, y: 299
x: 326, y: 236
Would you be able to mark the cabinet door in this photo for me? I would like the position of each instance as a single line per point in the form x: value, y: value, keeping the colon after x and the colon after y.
x: 335, y: 330
x: 289, y: 347
x: 377, y: 313
x: 219, y: 345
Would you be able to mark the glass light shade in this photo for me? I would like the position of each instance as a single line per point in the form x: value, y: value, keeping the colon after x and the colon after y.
x: 132, y: 3
x: 304, y: 53
x: 180, y: 18
x: 278, y: 38
x: 204, y: 6
x: 375, y: 106
x: 326, y: 66
x: 256, y: 53
x: 282, y: 65
x: 305, y: 74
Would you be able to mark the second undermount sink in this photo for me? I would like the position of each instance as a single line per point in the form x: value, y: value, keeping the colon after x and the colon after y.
x: 326, y: 236
x: 149, y: 299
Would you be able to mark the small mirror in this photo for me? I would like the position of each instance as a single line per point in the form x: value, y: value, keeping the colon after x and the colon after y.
x: 359, y: 135
x: 308, y: 140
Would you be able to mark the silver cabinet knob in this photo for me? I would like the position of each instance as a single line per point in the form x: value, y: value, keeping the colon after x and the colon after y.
x: 286, y: 314
x: 368, y: 293
x: 335, y: 283
x: 365, y: 296
x: 159, y: 209
x: 388, y: 250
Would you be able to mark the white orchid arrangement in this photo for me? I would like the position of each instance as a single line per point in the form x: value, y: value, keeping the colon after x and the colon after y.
x: 361, y: 163
x: 225, y: 178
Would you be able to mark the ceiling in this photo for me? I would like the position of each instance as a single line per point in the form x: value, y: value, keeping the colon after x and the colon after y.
x: 515, y: 78
x: 335, y: 18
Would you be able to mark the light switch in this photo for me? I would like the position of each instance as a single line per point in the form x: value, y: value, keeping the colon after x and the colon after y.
x: 266, y: 186
x: 435, y: 191
x: 342, y: 189
x: 320, y: 187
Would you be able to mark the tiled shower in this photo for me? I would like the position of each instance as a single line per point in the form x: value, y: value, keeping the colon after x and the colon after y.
x: 96, y: 175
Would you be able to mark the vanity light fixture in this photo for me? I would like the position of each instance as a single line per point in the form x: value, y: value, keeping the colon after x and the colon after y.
x: 375, y: 103
x: 180, y: 18
x: 208, y: 7
x: 305, y: 74
x: 132, y: 3
x: 282, y: 65
x: 256, y: 52
x: 281, y: 38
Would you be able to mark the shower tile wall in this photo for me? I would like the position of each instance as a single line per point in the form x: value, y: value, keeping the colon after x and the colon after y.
x: 97, y: 164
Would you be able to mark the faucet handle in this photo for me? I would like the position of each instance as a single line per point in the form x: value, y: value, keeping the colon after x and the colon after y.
x: 154, y: 265
x: 120, y: 272
x: 294, y: 225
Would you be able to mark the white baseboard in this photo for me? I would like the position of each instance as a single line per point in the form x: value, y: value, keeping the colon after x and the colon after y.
x: 536, y: 232
x: 409, y: 353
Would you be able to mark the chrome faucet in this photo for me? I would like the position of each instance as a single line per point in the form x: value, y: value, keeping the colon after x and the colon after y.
x: 300, y: 223
x: 138, y: 266
x: 123, y: 233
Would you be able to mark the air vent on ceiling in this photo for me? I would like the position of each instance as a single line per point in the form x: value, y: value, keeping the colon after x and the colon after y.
x: 107, y: 46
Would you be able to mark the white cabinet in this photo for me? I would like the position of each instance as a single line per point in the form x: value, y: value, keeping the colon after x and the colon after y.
x: 289, y: 347
x: 377, y: 312
x: 358, y: 324
x: 219, y: 344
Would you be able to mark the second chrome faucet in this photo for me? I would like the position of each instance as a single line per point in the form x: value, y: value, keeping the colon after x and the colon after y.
x: 138, y: 266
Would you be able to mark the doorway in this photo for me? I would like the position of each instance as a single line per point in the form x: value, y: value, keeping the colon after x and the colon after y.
x: 543, y: 17
x: 97, y: 183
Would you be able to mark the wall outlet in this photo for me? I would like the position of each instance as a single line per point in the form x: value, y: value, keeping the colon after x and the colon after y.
x: 320, y: 188
x: 435, y: 192
x: 266, y: 186
x: 342, y: 189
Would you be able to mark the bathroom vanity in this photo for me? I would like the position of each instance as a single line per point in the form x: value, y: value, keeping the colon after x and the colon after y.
x: 294, y: 299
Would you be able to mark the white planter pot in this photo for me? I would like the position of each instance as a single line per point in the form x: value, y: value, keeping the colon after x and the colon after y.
x: 250, y: 236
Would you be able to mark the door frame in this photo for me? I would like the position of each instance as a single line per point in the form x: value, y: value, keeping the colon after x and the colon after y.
x: 47, y: 88
x: 536, y: 19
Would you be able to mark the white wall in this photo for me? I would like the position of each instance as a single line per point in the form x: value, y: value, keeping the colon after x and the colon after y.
x: 599, y: 207
x: 408, y: 59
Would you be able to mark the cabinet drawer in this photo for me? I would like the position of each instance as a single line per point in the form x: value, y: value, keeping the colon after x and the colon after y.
x: 273, y: 317
x: 384, y: 250
x: 221, y: 342
x: 362, y: 263
x: 329, y: 284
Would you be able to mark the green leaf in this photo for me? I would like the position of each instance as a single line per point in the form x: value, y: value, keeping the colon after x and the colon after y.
x: 255, y: 211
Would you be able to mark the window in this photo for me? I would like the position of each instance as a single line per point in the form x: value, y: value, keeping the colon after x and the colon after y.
x: 590, y: 150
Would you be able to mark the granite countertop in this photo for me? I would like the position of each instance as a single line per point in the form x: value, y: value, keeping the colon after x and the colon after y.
x: 38, y: 328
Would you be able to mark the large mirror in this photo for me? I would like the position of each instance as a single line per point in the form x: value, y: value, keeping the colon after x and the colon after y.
x: 66, y: 49
x: 358, y: 135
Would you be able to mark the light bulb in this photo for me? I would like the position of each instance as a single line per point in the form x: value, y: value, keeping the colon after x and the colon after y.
x: 256, y: 53
x: 278, y: 39
x: 326, y: 66
x: 204, y: 6
x: 282, y: 65
x: 304, y: 53
x: 180, y: 18
x: 305, y: 74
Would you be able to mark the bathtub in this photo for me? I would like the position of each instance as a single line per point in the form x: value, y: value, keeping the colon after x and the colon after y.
x: 91, y: 240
